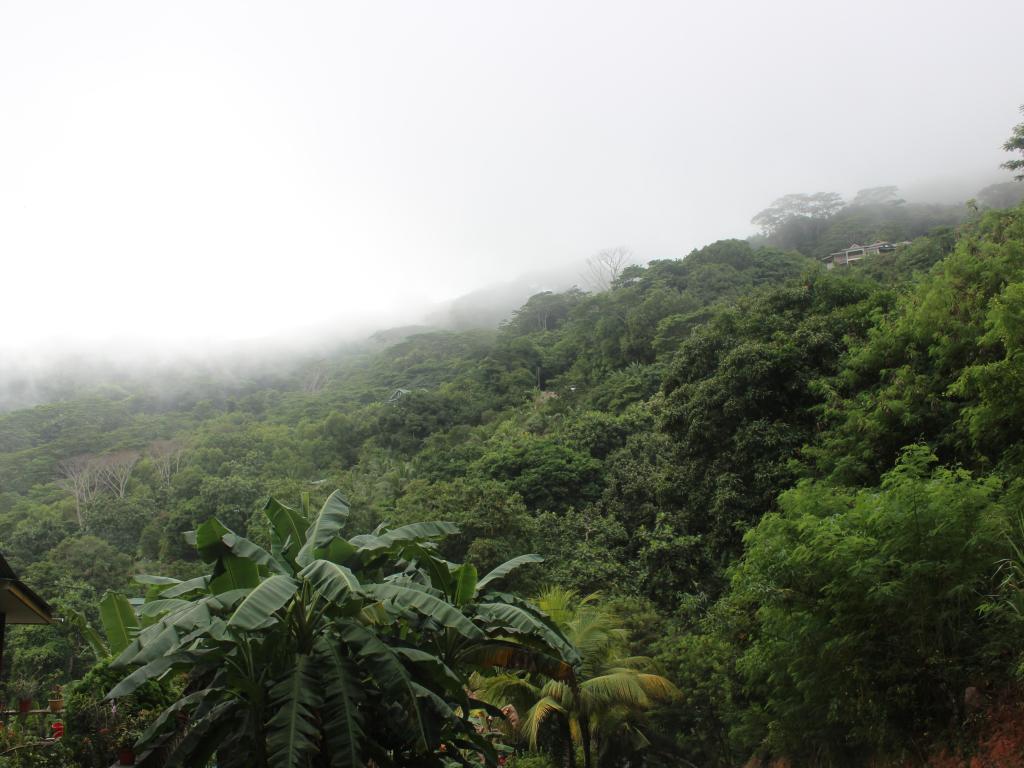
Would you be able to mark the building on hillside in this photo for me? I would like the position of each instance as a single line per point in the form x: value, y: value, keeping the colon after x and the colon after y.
x: 857, y: 252
x: 19, y: 604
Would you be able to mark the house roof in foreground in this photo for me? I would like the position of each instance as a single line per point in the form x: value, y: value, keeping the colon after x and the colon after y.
x: 18, y: 603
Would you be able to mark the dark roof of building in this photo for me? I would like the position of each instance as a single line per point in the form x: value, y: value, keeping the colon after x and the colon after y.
x: 858, y: 247
x: 18, y: 603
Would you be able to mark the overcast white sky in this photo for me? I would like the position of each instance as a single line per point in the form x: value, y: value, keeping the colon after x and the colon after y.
x: 229, y: 170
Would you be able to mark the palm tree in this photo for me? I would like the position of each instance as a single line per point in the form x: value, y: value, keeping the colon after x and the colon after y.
x: 604, y: 704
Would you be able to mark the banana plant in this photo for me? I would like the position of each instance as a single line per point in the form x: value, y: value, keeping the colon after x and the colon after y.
x: 329, y: 651
x: 119, y: 623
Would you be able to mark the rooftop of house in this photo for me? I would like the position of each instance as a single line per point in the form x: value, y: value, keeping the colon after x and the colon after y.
x: 18, y: 603
x: 878, y: 245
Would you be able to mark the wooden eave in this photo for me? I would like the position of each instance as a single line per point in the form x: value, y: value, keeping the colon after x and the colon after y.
x: 20, y: 605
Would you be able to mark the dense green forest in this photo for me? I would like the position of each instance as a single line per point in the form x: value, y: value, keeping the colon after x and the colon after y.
x: 790, y: 494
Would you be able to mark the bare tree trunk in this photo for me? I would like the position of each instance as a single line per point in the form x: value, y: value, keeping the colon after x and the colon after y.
x: 80, y: 476
x: 570, y: 750
x: 604, y: 267
x: 542, y: 318
x: 167, y: 455
x: 314, y: 380
x: 116, y: 470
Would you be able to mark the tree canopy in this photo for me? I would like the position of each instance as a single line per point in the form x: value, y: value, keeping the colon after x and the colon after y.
x: 795, y: 489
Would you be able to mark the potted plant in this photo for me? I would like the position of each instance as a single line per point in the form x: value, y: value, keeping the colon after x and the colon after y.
x: 25, y: 691
x: 56, y: 700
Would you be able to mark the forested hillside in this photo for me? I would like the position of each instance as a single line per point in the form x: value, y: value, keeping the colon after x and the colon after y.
x: 799, y: 490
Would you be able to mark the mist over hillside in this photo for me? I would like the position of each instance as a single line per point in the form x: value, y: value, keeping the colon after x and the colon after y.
x: 525, y: 385
x: 52, y: 372
x: 57, y: 371
x: 675, y: 440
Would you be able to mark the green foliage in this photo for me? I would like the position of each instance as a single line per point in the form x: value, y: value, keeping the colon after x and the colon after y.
x: 739, y: 406
x: 819, y: 224
x: 1016, y: 144
x: 1006, y: 195
x: 330, y: 650
x: 532, y: 761
x: 492, y: 520
x: 119, y: 521
x: 797, y: 209
x: 20, y: 747
x: 701, y: 664
x: 928, y: 369
x: 94, y: 728
x: 611, y: 330
x: 545, y: 311
x: 632, y: 437
x: 119, y: 622
x: 602, y: 710
x: 545, y: 472
x: 91, y: 560
x: 867, y: 625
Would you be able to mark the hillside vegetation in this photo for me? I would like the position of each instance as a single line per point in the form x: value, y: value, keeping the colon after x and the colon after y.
x: 797, y: 492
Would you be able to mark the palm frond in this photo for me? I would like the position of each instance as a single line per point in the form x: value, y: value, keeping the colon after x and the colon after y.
x: 616, y: 688
x: 535, y: 718
x: 500, y: 690
x: 560, y: 692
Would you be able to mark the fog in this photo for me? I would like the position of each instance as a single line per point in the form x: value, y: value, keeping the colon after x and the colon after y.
x: 183, y: 176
